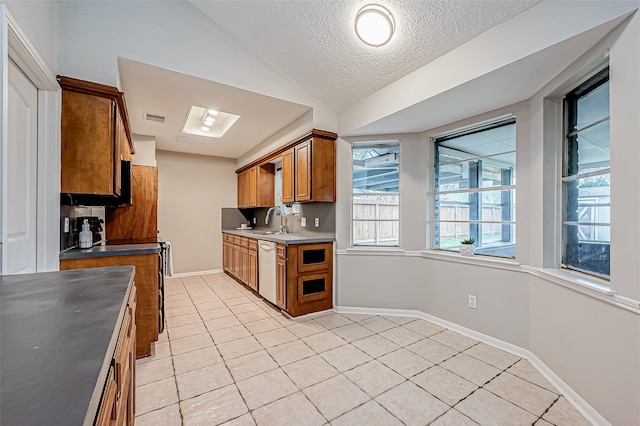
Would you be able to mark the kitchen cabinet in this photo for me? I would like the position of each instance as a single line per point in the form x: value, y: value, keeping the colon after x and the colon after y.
x: 309, y: 172
x: 281, y: 277
x: 256, y: 186
x: 138, y: 221
x: 147, y: 311
x: 240, y: 259
x: 304, y: 272
x: 95, y: 137
x: 118, y: 399
x: 252, y: 277
x: 288, y: 187
x: 308, y: 282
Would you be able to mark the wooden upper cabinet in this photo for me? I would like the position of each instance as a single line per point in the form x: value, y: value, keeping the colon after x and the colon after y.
x: 315, y: 171
x: 303, y: 171
x: 87, y: 145
x: 288, y: 194
x: 256, y: 187
x: 308, y: 171
x: 95, y: 136
x: 253, y: 187
x: 323, y: 170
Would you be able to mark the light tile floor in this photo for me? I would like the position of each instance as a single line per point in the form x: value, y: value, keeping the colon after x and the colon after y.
x: 228, y: 357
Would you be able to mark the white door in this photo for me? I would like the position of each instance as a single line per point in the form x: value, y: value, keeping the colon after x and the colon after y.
x: 20, y: 178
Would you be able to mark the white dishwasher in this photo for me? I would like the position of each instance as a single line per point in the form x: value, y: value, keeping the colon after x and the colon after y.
x: 267, y: 270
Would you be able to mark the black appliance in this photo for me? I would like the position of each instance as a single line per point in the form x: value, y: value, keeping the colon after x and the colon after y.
x: 105, y: 200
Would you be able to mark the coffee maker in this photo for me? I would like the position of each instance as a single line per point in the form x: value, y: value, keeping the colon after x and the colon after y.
x: 95, y: 226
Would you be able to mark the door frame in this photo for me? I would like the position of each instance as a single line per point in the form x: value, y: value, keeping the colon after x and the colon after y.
x: 15, y: 45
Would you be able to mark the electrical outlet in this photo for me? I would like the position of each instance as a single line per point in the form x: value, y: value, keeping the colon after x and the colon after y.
x: 255, y: 220
x: 317, y: 222
x: 66, y: 225
x: 472, y: 301
x: 303, y: 222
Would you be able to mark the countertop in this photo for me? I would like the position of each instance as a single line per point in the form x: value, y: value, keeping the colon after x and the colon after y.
x: 315, y: 237
x: 111, y: 250
x: 58, y: 334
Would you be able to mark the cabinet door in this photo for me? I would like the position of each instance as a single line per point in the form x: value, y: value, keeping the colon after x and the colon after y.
x: 266, y: 185
x: 225, y: 256
x: 253, y: 270
x: 244, y: 265
x: 281, y: 283
x: 303, y: 171
x: 253, y: 186
x: 87, y: 144
x: 241, y: 177
x: 237, y: 262
x: 288, y: 194
x: 118, y: 155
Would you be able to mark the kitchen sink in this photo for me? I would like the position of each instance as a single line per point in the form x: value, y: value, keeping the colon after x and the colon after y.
x: 266, y: 232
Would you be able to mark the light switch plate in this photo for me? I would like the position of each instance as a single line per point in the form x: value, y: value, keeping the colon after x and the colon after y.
x: 66, y: 225
x: 303, y: 222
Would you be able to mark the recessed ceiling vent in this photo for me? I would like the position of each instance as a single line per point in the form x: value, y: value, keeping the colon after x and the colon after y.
x: 154, y: 117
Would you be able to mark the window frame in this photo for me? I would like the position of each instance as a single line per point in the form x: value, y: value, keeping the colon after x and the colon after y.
x: 495, y: 122
x: 588, y: 85
x: 373, y: 144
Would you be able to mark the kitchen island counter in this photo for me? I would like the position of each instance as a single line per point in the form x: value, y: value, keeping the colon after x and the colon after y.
x: 59, y: 332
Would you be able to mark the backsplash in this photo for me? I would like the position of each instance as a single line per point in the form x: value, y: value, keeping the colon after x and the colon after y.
x: 70, y: 239
x: 232, y: 218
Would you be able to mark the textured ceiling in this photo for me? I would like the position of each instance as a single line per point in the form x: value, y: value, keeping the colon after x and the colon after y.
x: 314, y: 43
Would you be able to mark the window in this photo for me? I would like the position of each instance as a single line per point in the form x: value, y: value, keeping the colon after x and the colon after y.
x: 475, y: 193
x: 376, y: 203
x: 586, y: 178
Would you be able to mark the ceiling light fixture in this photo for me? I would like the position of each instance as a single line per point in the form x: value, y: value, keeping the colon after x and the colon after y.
x: 374, y: 25
x: 204, y: 129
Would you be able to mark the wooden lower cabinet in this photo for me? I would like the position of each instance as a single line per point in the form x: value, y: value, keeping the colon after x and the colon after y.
x: 253, y: 270
x: 117, y: 405
x: 147, y: 284
x: 304, y: 272
x: 240, y: 259
x: 309, y: 278
x: 281, y: 283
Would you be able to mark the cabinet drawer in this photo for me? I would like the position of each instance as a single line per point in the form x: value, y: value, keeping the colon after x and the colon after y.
x: 282, y: 251
x: 313, y: 287
x: 253, y: 244
x: 244, y: 242
x: 314, y: 257
x: 236, y: 240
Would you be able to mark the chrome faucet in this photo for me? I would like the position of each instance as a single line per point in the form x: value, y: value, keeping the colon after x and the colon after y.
x: 278, y: 209
x: 266, y: 219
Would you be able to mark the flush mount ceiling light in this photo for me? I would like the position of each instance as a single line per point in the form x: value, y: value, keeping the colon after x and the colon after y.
x: 208, y: 122
x: 374, y: 25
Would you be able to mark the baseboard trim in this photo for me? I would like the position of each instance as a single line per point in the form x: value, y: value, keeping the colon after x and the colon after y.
x: 572, y: 396
x: 191, y: 274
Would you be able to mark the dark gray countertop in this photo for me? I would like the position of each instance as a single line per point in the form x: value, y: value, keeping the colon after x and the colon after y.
x: 311, y: 237
x: 111, y: 250
x: 58, y: 331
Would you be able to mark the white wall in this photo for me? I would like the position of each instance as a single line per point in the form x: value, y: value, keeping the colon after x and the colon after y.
x: 145, y: 150
x: 173, y: 35
x: 192, y: 189
x: 39, y: 21
x: 590, y: 341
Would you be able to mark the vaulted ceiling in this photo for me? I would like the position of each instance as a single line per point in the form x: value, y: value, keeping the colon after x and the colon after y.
x: 314, y: 42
